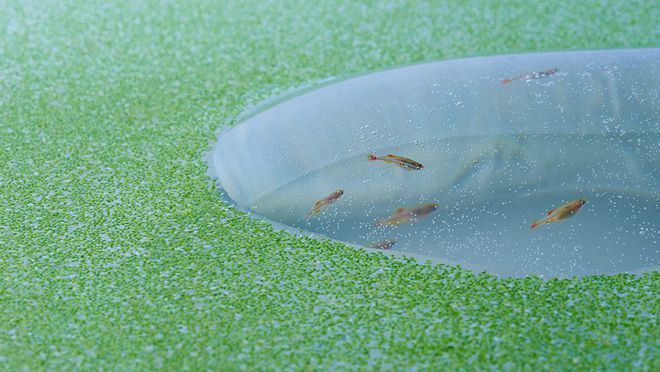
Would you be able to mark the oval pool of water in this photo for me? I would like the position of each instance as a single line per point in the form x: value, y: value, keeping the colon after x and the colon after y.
x: 502, y: 140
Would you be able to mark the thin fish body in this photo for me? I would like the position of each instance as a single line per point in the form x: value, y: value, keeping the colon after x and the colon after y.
x: 324, y: 202
x: 532, y: 75
x: 401, y: 161
x: 407, y: 215
x: 560, y: 213
x: 383, y: 244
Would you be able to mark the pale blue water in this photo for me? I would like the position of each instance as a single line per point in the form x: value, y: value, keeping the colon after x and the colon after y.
x: 495, y: 157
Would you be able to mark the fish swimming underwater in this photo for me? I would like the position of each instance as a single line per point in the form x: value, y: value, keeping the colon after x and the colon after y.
x: 560, y: 213
x: 325, y: 201
x: 398, y: 160
x: 532, y: 75
x: 407, y: 215
x: 383, y: 244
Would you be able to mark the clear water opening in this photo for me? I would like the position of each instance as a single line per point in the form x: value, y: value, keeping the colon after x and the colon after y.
x: 502, y: 141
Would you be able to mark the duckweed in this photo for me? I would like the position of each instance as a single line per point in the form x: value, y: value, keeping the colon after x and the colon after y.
x: 116, y: 251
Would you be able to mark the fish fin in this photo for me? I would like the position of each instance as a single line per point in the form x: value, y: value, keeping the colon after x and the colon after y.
x: 373, y: 157
x: 506, y: 81
x: 391, y: 156
x: 399, y: 210
x: 550, y: 211
x: 536, y: 224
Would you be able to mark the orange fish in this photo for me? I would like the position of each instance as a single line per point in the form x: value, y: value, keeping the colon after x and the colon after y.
x: 407, y: 215
x: 560, y: 213
x: 383, y: 244
x: 325, y: 201
x: 398, y: 160
x: 532, y: 75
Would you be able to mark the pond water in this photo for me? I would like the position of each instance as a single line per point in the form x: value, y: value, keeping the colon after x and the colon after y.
x: 502, y: 140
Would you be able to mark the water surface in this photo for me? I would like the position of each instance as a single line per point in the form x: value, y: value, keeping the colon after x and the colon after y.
x: 496, y: 157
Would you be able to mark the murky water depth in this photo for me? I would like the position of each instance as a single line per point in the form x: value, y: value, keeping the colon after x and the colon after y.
x: 496, y: 157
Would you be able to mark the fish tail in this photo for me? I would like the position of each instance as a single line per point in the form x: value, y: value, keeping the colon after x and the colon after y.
x: 312, y: 212
x: 373, y: 157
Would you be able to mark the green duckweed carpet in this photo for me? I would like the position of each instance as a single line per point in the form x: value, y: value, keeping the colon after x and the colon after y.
x: 117, y: 251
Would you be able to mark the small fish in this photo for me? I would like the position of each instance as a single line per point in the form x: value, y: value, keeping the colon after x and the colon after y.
x: 560, y: 213
x: 532, y: 75
x: 407, y: 215
x: 398, y: 160
x: 383, y: 244
x: 325, y: 201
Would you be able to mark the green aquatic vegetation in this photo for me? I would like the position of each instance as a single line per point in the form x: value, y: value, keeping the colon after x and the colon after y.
x: 116, y: 250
